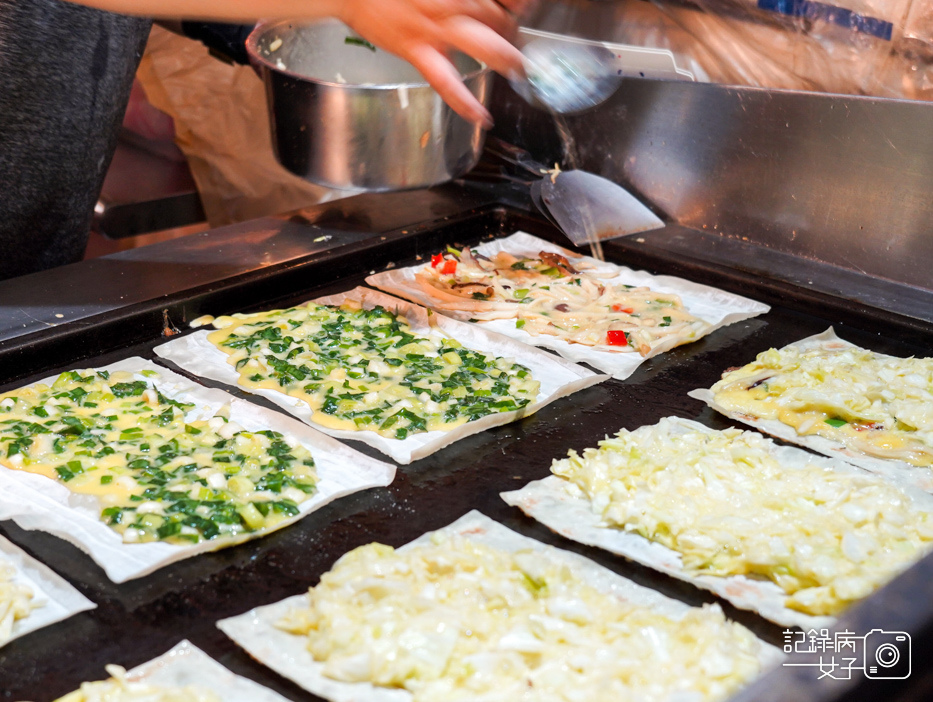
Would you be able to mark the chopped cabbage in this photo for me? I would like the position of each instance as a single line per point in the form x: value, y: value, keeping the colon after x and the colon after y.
x: 458, y: 620
x: 16, y: 600
x: 723, y: 501
x: 120, y: 689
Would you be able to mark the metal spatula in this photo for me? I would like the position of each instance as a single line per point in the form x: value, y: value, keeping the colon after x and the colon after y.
x: 585, y: 206
x: 588, y: 207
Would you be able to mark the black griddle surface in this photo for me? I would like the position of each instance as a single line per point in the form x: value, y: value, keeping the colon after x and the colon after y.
x: 143, y: 618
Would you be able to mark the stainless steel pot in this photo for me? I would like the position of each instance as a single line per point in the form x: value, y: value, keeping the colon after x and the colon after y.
x: 346, y: 116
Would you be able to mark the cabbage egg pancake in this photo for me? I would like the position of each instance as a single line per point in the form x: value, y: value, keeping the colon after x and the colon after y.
x: 728, y: 506
x: 455, y: 619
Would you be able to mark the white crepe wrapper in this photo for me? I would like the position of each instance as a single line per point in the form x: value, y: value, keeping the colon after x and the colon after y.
x: 185, y: 664
x: 549, y: 502
x: 287, y: 654
x: 919, y: 476
x: 55, y: 598
x: 558, y: 377
x: 36, y: 502
x: 716, y: 307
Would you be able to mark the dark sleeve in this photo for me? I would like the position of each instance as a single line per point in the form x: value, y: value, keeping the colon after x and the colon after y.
x: 228, y: 40
x: 65, y: 77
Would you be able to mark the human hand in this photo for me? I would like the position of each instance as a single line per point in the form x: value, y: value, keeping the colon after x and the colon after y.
x: 423, y: 32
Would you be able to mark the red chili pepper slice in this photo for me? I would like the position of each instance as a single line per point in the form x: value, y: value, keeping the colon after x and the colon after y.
x: 436, y: 260
x: 620, y: 308
x: 616, y: 337
x: 449, y: 268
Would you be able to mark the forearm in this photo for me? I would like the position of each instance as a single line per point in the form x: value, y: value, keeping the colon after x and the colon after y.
x: 222, y: 10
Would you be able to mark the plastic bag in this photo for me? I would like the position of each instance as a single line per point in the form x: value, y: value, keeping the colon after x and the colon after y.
x: 864, y: 47
x: 222, y: 126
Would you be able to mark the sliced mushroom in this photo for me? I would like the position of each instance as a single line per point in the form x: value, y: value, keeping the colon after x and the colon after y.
x: 473, y: 288
x: 557, y: 261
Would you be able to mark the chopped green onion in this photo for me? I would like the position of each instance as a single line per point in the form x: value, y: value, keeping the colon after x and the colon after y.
x: 359, y: 41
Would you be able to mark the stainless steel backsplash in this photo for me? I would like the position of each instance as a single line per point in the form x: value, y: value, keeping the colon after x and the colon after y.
x: 846, y: 181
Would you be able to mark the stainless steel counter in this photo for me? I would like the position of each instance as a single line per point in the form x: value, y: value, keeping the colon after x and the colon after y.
x: 70, y: 294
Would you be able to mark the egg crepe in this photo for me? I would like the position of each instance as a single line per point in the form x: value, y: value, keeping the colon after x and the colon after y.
x: 701, y: 309
x: 525, y: 366
x: 123, y: 475
x: 872, y: 410
x: 546, y: 294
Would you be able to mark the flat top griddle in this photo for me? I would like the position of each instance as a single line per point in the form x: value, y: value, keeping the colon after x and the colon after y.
x: 143, y: 618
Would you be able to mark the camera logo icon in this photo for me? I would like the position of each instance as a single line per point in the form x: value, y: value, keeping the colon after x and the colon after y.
x: 887, y: 655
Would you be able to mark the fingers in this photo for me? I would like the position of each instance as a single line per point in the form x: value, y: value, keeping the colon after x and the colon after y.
x: 445, y: 79
x: 475, y: 39
x: 517, y: 8
x: 424, y: 31
x: 489, y: 12
x: 481, y: 42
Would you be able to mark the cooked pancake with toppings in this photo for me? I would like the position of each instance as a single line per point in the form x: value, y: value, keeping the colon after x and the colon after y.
x: 873, y: 404
x: 728, y: 506
x: 156, y: 476
x: 460, y: 620
x: 367, y: 370
x: 548, y: 295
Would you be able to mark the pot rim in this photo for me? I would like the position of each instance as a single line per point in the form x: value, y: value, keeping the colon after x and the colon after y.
x: 258, y: 60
